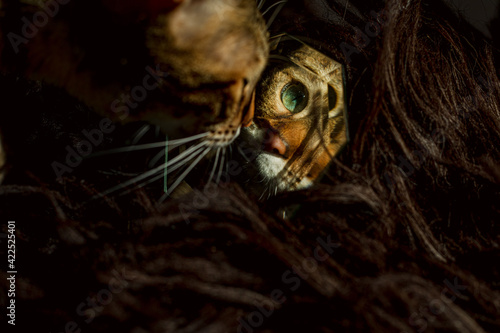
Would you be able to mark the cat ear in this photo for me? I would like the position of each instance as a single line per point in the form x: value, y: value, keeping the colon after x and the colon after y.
x: 336, y: 90
x: 335, y: 102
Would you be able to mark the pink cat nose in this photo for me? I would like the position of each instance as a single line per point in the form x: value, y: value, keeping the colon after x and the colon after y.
x: 274, y: 144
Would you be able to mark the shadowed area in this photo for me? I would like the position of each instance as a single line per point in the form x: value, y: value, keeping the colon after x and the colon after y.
x: 402, y: 234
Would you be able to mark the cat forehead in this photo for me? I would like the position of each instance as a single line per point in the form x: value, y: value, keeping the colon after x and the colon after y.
x: 316, y: 62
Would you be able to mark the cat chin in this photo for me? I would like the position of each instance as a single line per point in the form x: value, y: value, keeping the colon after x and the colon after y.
x: 268, y: 167
x: 271, y: 166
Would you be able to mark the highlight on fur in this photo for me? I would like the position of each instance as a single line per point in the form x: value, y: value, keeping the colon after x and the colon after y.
x: 300, y: 120
x: 402, y: 235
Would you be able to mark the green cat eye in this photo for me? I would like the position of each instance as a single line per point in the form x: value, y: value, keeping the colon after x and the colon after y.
x: 295, y: 97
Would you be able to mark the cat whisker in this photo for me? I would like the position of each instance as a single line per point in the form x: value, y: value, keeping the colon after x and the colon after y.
x: 128, y: 149
x: 178, y: 163
x: 131, y: 181
x: 168, y: 168
x: 140, y: 133
x: 113, y: 172
x: 184, y: 174
x: 275, y: 14
x: 221, y: 166
x: 144, y: 183
x: 183, y: 158
x: 215, y: 166
x: 171, y: 144
x: 181, y: 163
x: 243, y: 154
x: 156, y: 158
x: 261, y: 4
x: 274, y: 5
x: 262, y: 195
x: 188, y: 139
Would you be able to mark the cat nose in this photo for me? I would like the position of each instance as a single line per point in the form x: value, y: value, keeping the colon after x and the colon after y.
x: 274, y: 144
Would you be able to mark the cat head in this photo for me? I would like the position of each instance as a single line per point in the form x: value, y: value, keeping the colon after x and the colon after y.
x: 300, y: 120
x: 214, y: 53
x: 186, y: 66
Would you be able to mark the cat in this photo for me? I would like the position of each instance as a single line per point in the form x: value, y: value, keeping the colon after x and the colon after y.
x: 300, y: 119
x: 357, y: 256
x: 189, y: 67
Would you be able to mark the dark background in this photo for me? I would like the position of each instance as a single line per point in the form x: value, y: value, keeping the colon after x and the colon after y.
x: 478, y: 12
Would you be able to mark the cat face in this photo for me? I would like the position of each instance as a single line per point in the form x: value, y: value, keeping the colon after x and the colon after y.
x: 214, y: 53
x: 300, y: 122
x: 187, y: 66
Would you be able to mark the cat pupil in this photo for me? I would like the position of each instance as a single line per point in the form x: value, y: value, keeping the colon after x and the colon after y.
x: 294, y: 97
